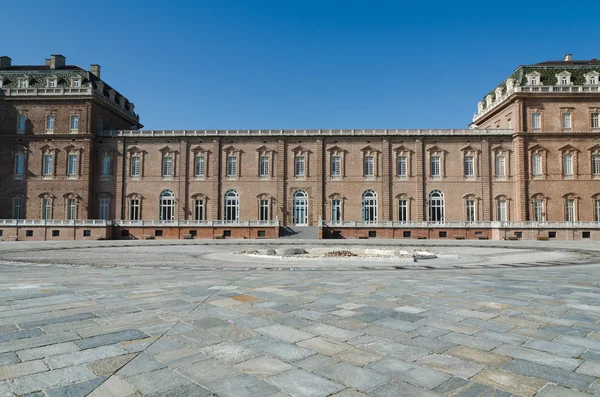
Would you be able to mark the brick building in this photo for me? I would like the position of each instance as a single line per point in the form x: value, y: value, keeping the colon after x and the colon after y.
x: 529, y: 166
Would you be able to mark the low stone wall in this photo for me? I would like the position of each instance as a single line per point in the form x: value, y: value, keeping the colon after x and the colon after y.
x: 49, y: 233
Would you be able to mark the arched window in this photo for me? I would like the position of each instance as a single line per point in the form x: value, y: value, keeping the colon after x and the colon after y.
x: 436, y: 206
x: 300, y: 208
x: 232, y: 206
x: 166, y: 206
x: 369, y: 206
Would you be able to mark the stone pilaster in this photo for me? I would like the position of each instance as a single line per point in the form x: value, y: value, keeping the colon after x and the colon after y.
x: 420, y: 179
x: 182, y: 180
x: 486, y: 183
x: 120, y: 172
x: 319, y: 199
x: 280, y: 176
x: 216, y: 175
x: 386, y: 180
x: 520, y: 178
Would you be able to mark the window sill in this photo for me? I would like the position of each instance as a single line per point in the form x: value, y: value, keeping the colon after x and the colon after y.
x: 167, y: 178
x: 20, y: 132
x: 402, y: 178
x: 369, y: 178
x: 300, y: 177
x: 264, y: 178
x: 336, y: 177
x: 199, y: 178
x: 48, y: 177
x: 135, y: 178
x: 105, y: 178
x: 232, y: 178
x: 72, y: 177
x: 74, y: 131
x: 19, y: 177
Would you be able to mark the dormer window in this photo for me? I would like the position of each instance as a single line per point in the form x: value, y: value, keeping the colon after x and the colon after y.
x: 592, y: 78
x: 534, y: 78
x: 52, y: 83
x: 23, y: 83
x: 76, y: 83
x: 563, y: 78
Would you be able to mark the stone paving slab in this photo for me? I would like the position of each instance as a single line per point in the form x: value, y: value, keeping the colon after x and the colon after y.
x: 300, y: 383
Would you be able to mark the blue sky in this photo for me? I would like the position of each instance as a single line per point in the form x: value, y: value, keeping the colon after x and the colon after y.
x: 301, y: 64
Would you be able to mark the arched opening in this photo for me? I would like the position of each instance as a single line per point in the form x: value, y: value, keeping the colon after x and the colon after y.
x: 369, y: 206
x: 436, y: 206
x: 166, y: 206
x: 232, y: 206
x: 300, y: 208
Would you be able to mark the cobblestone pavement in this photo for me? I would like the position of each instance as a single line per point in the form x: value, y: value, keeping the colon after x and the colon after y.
x: 131, y: 331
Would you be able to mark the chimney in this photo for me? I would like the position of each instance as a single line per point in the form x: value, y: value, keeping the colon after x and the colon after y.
x: 47, y: 61
x: 5, y: 62
x: 57, y: 61
x: 95, y: 70
x: 568, y: 58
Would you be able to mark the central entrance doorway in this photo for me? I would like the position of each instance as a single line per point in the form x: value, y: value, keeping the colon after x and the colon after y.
x: 300, y: 208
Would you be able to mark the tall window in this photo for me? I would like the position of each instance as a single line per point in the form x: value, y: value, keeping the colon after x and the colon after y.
x: 469, y: 166
x: 299, y: 166
x: 103, y: 208
x: 166, y: 206
x: 71, y: 208
x: 199, y: 209
x: 501, y: 211
x: 48, y: 168
x: 106, y: 163
x: 336, y: 210
x: 470, y: 210
x: 436, y: 206
x: 402, y: 210
x: 17, y: 210
x: 369, y: 167
x: 435, y: 167
x: 500, y: 166
x: 74, y: 122
x: 136, y: 165
x: 72, y: 164
x: 401, y: 167
x: 232, y: 166
x: 49, y: 123
x: 19, y: 166
x: 538, y: 210
x: 568, y: 165
x: 336, y: 166
x: 300, y: 208
x: 232, y: 205
x: 167, y: 169
x: 536, y: 164
x: 536, y: 121
x: 134, y: 209
x: 596, y: 164
x: 100, y: 126
x: 263, y: 210
x: 597, y: 210
x: 264, y: 166
x: 566, y: 120
x: 76, y: 83
x: 21, y: 124
x: 46, y: 208
x: 199, y: 166
x: 509, y: 124
x: 369, y: 206
x: 595, y: 120
x: 23, y: 83
x: 570, y: 210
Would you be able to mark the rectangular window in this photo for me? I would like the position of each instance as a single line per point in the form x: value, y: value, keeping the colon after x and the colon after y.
x: 470, y: 209
x: 536, y: 121
x: 369, y: 166
x: 263, y: 210
x: 566, y: 120
x: 100, y: 126
x: 509, y: 124
x: 299, y: 164
x: 199, y: 166
x: 336, y: 210
x: 167, y: 166
x: 74, y: 122
x: 597, y: 210
x: 595, y: 120
x: 536, y: 165
x: 134, y: 209
x: 136, y: 162
x: 46, y: 208
x: 469, y: 166
x: 264, y: 166
x: 199, y: 209
x: 21, y: 124
x: 538, y: 210
x: 567, y: 164
x: 71, y: 208
x: 401, y: 167
x: 17, y: 208
x: 48, y: 165
x: 231, y: 166
x: 596, y: 164
x: 76, y: 83
x: 501, y: 211
x: 435, y: 166
x: 19, y: 165
x: 570, y: 210
x: 106, y: 163
x: 52, y: 83
x: 103, y: 208
x: 22, y: 83
x: 336, y: 166
x: 500, y: 166
x: 402, y: 210
x: 49, y: 123
x: 72, y: 165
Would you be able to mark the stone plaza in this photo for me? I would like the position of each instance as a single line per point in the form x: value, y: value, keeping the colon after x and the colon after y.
x: 182, y: 318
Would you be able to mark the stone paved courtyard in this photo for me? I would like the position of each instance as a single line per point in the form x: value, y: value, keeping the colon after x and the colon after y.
x: 219, y: 330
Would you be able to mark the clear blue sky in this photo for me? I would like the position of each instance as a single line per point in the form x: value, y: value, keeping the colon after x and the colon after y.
x: 301, y: 64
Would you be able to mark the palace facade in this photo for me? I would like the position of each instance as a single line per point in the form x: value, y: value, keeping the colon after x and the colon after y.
x: 75, y: 159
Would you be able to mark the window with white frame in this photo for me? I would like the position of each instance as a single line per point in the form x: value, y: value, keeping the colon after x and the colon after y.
x: 539, y: 214
x: 435, y: 169
x: 76, y: 83
x: 564, y: 80
x: 403, y: 210
x: 72, y: 164
x: 469, y: 166
x: 136, y: 165
x: 402, y: 166
x: 71, y: 205
x: 336, y: 210
x: 470, y: 210
x: 595, y: 120
x: 50, y: 123
x: 167, y: 166
x: 263, y: 210
x: 21, y: 123
x: 369, y: 206
x: 106, y: 167
x: 232, y: 206
x: 501, y: 215
x: 570, y: 210
x: 103, y: 208
x: 436, y: 206
x: 134, y: 209
x: 23, y: 83
x: 232, y: 166
x: 369, y: 166
x: 48, y: 165
x: 46, y: 208
x: 567, y: 164
x: 596, y: 164
x: 51, y: 83
x: 536, y: 165
x: 336, y: 166
x: 19, y: 171
x: 597, y: 210
x: 593, y: 80
x: 200, y: 166
x: 500, y: 166
x: 299, y: 166
x: 17, y: 208
x: 199, y: 208
x: 566, y: 120
x: 74, y: 122
x: 263, y: 161
x: 166, y: 206
x: 536, y: 120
